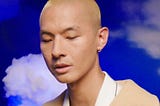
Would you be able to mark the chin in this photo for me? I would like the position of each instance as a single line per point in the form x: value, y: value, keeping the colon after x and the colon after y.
x: 64, y: 80
x: 67, y: 80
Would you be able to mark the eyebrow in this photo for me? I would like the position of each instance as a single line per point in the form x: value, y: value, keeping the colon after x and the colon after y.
x: 42, y: 32
x: 74, y: 28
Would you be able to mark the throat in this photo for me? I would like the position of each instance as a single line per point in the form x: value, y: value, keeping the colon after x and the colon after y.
x: 85, y: 93
x: 81, y: 99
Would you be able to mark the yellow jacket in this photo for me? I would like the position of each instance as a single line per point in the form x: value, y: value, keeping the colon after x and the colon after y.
x: 130, y: 95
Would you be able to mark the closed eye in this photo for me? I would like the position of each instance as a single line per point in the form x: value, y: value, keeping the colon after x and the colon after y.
x: 71, y: 37
x: 46, y: 40
x: 46, y: 36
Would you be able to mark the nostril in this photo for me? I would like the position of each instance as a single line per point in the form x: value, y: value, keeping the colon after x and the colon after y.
x: 56, y: 57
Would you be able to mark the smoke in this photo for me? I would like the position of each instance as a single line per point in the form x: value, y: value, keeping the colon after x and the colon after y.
x: 29, y: 78
x: 142, y: 25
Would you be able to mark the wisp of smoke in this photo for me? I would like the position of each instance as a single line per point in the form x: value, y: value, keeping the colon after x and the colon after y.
x: 30, y: 79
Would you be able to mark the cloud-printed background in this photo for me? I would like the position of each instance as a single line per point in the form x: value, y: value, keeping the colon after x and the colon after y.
x: 30, y: 79
x: 143, y: 28
x: 133, y: 50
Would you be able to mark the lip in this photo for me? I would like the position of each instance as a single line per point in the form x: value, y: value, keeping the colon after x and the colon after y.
x: 61, y: 68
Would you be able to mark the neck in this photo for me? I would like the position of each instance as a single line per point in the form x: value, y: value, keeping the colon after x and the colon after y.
x: 86, y: 90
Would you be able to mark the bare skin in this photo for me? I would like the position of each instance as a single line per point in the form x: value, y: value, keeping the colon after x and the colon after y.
x: 71, y: 35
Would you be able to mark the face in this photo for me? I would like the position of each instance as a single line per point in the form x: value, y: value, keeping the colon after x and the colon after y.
x: 68, y: 42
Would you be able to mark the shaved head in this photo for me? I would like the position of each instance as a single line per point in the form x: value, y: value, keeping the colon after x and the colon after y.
x: 71, y: 34
x: 85, y: 8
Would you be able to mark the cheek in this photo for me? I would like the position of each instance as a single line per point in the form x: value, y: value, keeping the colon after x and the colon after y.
x: 46, y: 48
x: 85, y: 53
x: 46, y: 51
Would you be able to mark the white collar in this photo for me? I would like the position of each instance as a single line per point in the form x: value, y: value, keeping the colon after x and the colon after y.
x: 106, y: 94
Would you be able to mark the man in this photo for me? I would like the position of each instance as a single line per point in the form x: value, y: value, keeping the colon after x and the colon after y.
x: 71, y: 37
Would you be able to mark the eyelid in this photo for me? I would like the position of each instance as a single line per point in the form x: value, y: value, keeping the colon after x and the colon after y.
x: 46, y: 41
x: 71, y: 37
x: 46, y: 38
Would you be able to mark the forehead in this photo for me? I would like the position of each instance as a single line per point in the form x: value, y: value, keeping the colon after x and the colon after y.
x: 54, y: 12
x: 60, y: 16
x: 61, y: 8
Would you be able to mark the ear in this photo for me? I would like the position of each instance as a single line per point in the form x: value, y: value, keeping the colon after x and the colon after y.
x: 103, y: 34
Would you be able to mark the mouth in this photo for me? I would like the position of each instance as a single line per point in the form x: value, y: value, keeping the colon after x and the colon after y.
x: 61, y: 68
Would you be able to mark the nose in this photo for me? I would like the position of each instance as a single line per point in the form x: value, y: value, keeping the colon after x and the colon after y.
x: 58, y: 48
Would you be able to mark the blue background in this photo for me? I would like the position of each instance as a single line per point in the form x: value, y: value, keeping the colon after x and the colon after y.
x: 19, y: 36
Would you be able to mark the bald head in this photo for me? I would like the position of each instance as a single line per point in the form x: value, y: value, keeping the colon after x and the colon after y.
x: 71, y: 33
x: 87, y: 9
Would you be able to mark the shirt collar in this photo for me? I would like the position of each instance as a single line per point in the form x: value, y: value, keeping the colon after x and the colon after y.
x: 106, y: 94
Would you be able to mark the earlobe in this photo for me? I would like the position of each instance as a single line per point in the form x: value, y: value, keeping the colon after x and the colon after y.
x: 98, y: 50
x: 103, y: 34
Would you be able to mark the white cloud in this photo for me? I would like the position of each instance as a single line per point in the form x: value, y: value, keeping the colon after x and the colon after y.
x: 29, y: 78
x: 144, y: 33
x: 145, y: 38
x: 151, y: 10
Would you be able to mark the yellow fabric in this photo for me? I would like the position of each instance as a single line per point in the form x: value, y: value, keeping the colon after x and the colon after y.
x: 130, y: 95
x: 133, y: 95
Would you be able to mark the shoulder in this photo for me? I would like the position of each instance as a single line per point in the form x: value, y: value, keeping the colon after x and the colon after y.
x: 133, y: 93
x: 58, y: 101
